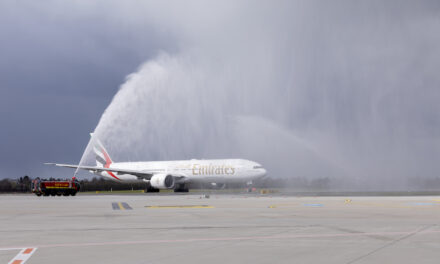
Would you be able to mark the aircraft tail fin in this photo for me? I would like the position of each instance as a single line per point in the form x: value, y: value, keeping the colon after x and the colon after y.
x: 102, y: 157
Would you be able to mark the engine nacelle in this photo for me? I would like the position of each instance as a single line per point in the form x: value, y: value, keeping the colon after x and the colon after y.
x: 162, y: 181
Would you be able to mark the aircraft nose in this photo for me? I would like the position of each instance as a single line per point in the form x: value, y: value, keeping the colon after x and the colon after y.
x: 263, y: 172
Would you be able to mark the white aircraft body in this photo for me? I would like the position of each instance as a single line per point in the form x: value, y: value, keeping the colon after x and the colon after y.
x: 172, y: 174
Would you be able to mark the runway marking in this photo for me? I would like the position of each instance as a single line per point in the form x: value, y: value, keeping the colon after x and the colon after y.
x: 121, y: 206
x: 422, y: 203
x: 282, y: 205
x: 126, y: 206
x: 213, y: 239
x: 23, y: 255
x: 177, y: 206
x: 291, y: 205
x: 385, y: 205
x: 314, y: 205
x: 11, y: 248
x: 28, y: 250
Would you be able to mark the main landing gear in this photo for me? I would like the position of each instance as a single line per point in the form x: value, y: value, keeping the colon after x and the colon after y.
x: 181, y: 188
x: 178, y: 188
x: 150, y: 189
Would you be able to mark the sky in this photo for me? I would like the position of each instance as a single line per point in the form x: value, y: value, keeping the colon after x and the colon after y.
x: 61, y: 65
x: 338, y: 89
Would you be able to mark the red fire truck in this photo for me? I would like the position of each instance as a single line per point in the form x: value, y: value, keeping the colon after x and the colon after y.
x: 55, y: 187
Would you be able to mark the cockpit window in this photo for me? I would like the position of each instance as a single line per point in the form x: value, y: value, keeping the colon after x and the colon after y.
x: 258, y: 167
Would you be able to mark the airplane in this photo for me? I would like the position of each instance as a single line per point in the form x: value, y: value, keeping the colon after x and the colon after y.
x: 172, y: 174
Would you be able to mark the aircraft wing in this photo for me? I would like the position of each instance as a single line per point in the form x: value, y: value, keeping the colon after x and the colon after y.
x: 139, y: 174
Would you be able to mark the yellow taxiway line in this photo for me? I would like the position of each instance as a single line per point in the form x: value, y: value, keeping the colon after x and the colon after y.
x: 177, y: 206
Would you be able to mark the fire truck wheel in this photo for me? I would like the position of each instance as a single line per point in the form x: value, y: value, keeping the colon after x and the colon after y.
x: 52, y: 194
x: 38, y: 194
x: 58, y: 194
x: 65, y: 194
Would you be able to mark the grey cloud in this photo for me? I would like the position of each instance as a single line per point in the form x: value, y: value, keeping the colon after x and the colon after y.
x: 60, y: 65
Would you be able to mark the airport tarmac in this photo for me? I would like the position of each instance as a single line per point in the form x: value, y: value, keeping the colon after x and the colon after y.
x: 245, y: 228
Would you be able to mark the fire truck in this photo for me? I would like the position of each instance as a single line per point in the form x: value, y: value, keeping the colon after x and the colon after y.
x: 55, y: 187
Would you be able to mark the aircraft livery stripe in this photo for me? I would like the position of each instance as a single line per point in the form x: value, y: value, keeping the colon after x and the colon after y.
x: 108, y: 163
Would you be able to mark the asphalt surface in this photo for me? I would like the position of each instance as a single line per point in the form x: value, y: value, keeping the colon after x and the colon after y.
x: 222, y: 229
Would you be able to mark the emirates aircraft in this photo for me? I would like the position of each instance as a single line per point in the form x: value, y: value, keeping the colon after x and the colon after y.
x: 172, y: 174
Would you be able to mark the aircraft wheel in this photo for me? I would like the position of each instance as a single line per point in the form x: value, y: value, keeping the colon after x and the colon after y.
x: 150, y: 189
x: 181, y: 190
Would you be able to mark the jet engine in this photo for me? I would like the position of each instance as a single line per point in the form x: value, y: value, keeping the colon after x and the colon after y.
x: 162, y: 181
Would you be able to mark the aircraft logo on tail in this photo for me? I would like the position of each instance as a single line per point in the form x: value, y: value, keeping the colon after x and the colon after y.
x: 103, y: 159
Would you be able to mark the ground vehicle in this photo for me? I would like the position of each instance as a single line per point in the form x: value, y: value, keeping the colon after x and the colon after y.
x: 55, y: 187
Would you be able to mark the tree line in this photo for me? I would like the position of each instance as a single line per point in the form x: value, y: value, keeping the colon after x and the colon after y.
x: 23, y: 184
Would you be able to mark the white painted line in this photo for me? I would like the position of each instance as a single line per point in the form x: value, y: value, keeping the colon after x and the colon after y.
x: 11, y: 248
x: 23, y: 256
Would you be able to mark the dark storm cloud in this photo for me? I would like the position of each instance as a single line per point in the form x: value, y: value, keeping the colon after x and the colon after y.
x: 60, y: 65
